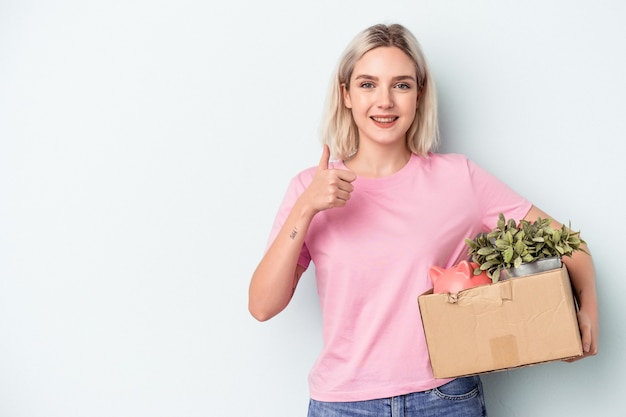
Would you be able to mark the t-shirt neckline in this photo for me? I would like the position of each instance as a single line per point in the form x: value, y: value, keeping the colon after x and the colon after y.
x: 376, y: 182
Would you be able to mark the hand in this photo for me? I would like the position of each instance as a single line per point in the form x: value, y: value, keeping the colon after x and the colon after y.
x: 330, y: 187
x: 589, y: 335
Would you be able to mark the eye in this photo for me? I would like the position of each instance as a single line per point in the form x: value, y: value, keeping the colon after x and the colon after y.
x: 367, y: 84
x: 403, y: 86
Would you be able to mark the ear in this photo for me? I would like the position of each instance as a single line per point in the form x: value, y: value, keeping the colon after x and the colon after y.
x: 435, y: 273
x: 466, y: 269
x: 346, y: 96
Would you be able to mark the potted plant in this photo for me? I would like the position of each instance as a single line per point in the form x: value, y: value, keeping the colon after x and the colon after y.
x: 512, y: 249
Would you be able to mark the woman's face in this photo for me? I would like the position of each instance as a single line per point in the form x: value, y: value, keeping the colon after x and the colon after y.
x: 383, y: 96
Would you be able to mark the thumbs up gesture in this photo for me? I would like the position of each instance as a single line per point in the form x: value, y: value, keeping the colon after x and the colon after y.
x: 330, y: 187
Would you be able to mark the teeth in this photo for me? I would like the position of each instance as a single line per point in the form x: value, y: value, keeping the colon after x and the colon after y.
x: 384, y: 119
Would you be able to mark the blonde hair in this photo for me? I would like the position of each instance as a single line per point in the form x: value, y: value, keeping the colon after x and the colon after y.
x: 340, y: 132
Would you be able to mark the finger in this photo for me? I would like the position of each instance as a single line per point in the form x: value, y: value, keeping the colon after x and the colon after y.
x: 586, y: 339
x: 345, y: 186
x: 585, y: 333
x: 347, y: 176
x: 343, y: 195
x: 575, y: 359
x: 323, y: 165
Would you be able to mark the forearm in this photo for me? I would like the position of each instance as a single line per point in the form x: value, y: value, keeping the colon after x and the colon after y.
x: 276, y: 276
x: 582, y: 276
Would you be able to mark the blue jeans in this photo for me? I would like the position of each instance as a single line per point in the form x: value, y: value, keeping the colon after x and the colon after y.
x: 461, y: 397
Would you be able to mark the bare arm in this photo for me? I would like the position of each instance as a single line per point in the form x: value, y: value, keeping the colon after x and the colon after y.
x: 582, y: 275
x: 275, y: 278
x: 277, y: 275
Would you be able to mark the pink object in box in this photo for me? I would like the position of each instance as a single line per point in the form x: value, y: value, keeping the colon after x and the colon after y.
x: 459, y: 277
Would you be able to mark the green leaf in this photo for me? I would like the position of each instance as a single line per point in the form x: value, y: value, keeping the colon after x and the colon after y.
x: 487, y: 265
x: 508, y: 255
x: 493, y: 256
x: 520, y: 247
x: 501, y: 221
x: 501, y: 243
x: 511, y: 224
x: 485, y: 251
x: 471, y: 243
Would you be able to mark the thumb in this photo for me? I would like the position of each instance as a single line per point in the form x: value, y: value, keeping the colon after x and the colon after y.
x: 323, y: 165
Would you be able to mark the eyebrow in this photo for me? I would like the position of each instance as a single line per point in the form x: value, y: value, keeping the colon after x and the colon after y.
x: 396, y: 78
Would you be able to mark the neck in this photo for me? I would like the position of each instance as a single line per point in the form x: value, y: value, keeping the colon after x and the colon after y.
x: 379, y: 162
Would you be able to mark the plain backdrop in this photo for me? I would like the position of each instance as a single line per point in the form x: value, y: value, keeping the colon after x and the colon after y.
x: 145, y: 147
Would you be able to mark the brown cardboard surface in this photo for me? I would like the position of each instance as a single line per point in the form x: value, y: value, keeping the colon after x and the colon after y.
x: 517, y: 322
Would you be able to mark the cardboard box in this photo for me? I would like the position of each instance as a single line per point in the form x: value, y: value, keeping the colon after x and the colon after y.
x: 517, y: 322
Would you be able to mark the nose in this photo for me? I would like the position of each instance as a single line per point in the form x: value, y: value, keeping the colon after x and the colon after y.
x: 385, y: 99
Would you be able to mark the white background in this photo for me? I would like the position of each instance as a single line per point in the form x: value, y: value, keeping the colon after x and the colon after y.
x: 145, y: 147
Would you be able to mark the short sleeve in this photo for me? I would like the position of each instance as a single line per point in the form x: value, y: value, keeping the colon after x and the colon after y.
x: 294, y: 190
x: 495, y: 197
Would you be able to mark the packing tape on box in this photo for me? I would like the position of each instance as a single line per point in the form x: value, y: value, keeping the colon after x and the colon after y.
x: 504, y: 351
x: 489, y: 294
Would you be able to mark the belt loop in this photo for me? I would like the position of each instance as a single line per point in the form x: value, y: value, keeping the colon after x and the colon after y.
x: 398, y: 405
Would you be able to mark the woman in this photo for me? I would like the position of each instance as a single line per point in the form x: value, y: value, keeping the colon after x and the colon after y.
x: 373, y: 221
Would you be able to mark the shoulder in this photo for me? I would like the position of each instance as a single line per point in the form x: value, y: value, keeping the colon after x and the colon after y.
x: 447, y: 158
x: 301, y: 180
x: 445, y: 161
x: 306, y: 175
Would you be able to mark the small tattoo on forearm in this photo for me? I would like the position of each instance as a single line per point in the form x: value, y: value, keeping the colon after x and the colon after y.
x: 293, y: 234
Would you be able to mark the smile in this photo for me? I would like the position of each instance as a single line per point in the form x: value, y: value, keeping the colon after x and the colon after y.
x: 384, y: 119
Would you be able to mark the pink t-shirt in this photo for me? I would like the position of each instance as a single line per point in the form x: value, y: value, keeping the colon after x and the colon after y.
x: 372, y: 258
